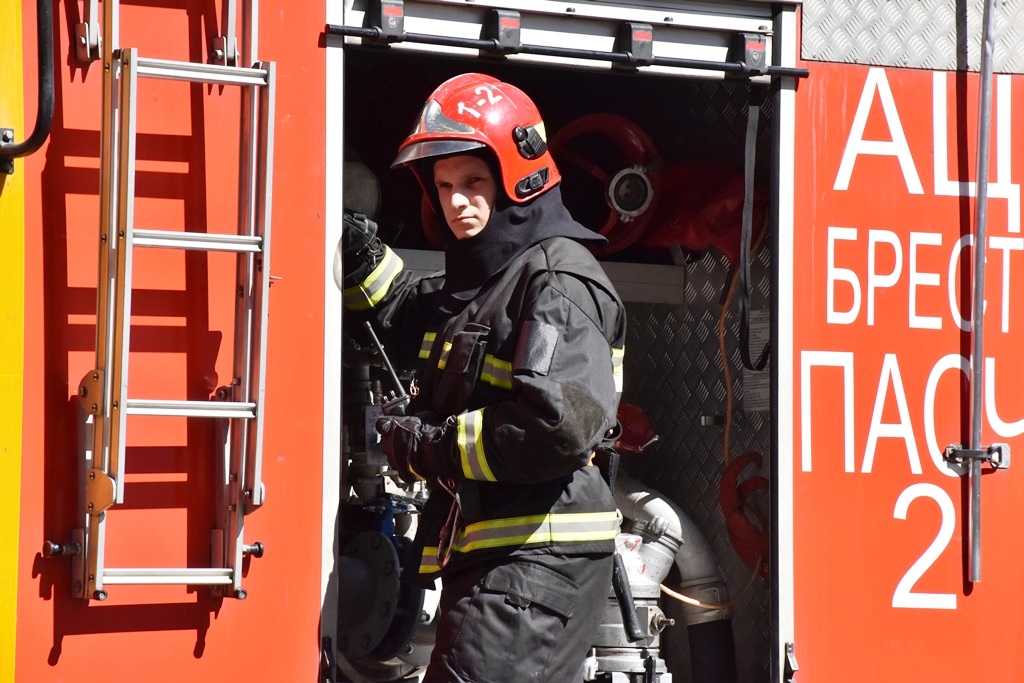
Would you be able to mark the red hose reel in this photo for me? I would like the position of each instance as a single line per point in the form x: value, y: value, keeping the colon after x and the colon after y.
x: 631, y: 190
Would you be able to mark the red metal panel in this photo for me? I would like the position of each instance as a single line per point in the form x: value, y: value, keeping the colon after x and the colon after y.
x: 181, y: 348
x: 880, y: 532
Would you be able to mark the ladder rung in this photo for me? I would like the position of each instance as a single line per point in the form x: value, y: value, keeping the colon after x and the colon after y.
x: 195, y: 72
x: 187, y: 576
x: 199, y: 241
x: 223, y: 409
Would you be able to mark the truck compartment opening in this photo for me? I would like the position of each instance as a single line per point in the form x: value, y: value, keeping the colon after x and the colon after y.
x: 654, y: 162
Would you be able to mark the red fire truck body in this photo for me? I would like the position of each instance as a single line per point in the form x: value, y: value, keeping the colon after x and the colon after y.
x: 179, y: 449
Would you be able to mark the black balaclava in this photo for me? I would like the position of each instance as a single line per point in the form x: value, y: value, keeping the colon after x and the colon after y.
x: 512, y: 229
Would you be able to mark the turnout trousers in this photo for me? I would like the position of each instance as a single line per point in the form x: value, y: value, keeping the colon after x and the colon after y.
x: 530, y: 618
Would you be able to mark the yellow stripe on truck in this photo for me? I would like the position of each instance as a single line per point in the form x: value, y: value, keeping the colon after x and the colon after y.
x: 12, y: 352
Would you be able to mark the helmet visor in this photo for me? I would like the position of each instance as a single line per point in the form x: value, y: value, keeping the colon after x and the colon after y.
x: 434, y: 148
x: 435, y: 130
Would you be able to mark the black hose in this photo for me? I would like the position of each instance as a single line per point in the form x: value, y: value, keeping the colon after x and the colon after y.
x: 44, y: 114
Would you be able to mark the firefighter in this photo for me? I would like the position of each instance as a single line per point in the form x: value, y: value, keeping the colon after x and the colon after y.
x: 518, y: 346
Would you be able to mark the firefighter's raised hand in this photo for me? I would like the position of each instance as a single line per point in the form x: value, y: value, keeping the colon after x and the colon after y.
x: 358, y: 252
x: 419, y: 446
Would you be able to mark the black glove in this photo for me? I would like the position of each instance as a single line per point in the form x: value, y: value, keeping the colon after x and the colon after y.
x: 419, y: 446
x: 361, y: 249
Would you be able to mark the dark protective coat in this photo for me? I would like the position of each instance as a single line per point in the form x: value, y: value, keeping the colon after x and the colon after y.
x: 530, y: 365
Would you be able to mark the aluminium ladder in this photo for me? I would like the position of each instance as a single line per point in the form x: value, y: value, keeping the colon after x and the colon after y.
x: 238, y: 408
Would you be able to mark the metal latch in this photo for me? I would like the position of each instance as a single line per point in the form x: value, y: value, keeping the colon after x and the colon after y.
x: 637, y: 41
x: 790, y: 667
x: 328, y: 667
x: 998, y: 456
x: 503, y: 27
x: 749, y: 50
x: 388, y: 17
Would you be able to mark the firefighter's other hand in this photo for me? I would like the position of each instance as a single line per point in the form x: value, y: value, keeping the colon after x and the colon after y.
x: 419, y: 446
x: 358, y: 252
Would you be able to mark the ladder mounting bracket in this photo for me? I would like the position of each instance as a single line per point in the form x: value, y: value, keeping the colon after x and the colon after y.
x: 225, y: 51
x: 87, y: 42
x: 99, y: 491
x: 90, y: 392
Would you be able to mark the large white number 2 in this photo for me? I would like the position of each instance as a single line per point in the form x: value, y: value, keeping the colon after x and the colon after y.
x: 904, y: 596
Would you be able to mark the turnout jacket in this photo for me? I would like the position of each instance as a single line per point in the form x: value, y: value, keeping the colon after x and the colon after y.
x: 531, y: 366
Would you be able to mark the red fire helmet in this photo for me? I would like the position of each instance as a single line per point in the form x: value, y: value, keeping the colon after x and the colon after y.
x: 474, y: 110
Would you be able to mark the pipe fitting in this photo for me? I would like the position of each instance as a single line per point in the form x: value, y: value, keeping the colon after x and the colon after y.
x: 669, y: 537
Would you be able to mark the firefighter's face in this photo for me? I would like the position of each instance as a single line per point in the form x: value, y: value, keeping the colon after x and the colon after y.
x: 466, y: 188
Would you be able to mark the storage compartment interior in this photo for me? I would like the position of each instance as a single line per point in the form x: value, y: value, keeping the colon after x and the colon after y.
x: 683, y: 368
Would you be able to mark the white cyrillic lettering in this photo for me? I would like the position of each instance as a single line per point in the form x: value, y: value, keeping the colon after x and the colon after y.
x: 951, y: 281
x: 902, y: 429
x: 832, y: 316
x: 1001, y: 145
x: 1004, y: 429
x: 944, y: 187
x: 877, y: 280
x: 1006, y: 245
x: 834, y: 359
x: 952, y: 361
x: 919, y: 279
x: 897, y: 147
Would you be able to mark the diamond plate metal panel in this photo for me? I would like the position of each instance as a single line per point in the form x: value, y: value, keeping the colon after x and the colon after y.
x: 925, y: 34
x: 719, y: 111
x: 674, y: 372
